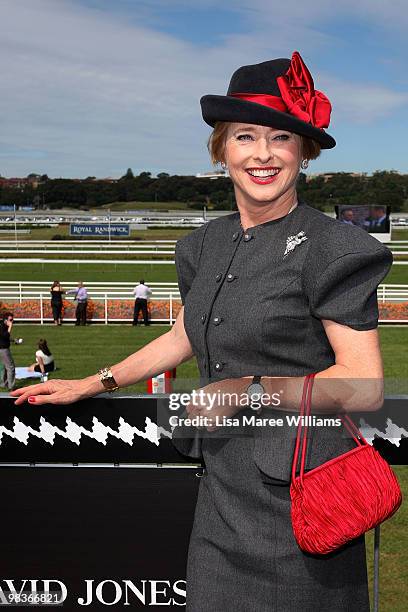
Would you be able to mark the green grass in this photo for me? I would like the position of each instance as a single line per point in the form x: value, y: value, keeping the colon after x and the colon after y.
x: 89, y: 272
x: 393, y: 554
x: 81, y: 351
x: 397, y: 276
x: 121, y: 272
x: 112, y: 343
x: 394, y: 342
x: 399, y: 234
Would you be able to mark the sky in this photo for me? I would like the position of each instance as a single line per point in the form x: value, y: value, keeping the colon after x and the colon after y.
x: 93, y: 87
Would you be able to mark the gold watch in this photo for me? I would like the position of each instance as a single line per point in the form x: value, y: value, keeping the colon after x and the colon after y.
x: 106, y: 378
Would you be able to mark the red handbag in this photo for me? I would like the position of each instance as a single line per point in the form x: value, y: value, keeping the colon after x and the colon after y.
x: 342, y: 498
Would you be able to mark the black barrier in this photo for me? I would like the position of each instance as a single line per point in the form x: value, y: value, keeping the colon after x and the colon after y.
x: 124, y: 430
x: 99, y: 430
x: 116, y: 533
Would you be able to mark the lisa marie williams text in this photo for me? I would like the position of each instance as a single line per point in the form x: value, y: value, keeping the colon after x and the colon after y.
x: 106, y: 592
x: 253, y: 420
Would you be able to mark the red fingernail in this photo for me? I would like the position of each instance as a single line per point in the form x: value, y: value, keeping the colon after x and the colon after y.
x: 31, y: 399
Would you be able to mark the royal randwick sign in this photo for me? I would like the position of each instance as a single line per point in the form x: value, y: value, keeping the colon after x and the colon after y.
x: 99, y: 229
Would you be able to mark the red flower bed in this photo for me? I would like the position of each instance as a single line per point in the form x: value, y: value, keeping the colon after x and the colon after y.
x: 393, y: 311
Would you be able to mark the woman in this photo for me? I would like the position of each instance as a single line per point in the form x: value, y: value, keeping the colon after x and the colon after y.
x: 270, y: 293
x: 56, y: 301
x: 44, y: 360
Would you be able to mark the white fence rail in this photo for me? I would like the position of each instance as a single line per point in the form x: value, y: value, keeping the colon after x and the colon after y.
x: 32, y: 289
x: 97, y: 242
x: 43, y: 260
x: 87, y: 247
x: 92, y: 251
x: 161, y: 290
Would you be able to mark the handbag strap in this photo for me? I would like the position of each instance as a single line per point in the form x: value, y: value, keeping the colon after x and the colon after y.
x: 301, y: 435
x: 306, y: 384
x: 353, y: 430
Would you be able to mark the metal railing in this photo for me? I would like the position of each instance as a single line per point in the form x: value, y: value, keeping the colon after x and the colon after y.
x: 33, y: 289
x: 88, y: 247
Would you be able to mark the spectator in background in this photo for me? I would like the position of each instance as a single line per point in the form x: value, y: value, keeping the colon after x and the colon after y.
x: 377, y: 221
x: 8, y: 371
x: 347, y: 216
x: 44, y: 359
x: 141, y: 292
x: 81, y: 296
x: 56, y: 301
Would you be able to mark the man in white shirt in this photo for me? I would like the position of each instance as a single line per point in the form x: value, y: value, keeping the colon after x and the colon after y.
x: 141, y: 292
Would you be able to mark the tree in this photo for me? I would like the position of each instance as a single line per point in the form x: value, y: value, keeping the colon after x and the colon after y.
x: 129, y: 175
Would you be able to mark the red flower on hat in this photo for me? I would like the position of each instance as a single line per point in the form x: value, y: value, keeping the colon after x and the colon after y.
x: 302, y: 99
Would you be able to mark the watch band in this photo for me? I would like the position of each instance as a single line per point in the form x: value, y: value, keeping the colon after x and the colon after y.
x: 107, y: 379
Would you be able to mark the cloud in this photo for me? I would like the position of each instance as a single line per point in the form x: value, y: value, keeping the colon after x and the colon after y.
x: 391, y: 16
x: 86, y: 91
x: 362, y: 103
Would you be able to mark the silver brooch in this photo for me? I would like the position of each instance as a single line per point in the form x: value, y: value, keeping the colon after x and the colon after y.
x: 293, y: 241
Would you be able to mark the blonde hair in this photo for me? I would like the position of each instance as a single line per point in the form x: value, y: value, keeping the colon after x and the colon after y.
x: 216, y: 144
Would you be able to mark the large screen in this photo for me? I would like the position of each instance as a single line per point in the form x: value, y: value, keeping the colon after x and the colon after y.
x: 373, y: 218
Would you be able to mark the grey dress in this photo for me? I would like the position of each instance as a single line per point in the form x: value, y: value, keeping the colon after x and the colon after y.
x: 253, y: 306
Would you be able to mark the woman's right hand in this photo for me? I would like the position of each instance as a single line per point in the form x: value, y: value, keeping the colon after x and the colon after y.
x: 52, y: 392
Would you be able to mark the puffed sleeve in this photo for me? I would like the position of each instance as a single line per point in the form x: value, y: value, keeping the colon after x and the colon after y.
x: 341, y: 280
x: 187, y: 256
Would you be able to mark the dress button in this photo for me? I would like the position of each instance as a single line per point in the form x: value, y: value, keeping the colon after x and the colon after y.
x: 217, y: 320
x: 247, y: 237
x: 218, y: 366
x: 235, y: 235
x: 230, y: 277
x: 203, y: 318
x: 218, y: 277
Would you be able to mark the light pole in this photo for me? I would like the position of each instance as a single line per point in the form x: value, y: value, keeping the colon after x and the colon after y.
x: 15, y: 224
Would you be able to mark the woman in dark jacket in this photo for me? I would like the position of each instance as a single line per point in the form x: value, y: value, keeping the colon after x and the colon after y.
x: 270, y: 293
x: 56, y: 301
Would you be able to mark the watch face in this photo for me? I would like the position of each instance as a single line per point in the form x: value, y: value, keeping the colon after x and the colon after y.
x: 255, y: 389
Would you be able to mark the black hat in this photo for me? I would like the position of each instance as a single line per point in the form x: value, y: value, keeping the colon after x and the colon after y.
x: 279, y: 93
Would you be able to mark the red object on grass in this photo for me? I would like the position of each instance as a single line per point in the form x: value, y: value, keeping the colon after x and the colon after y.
x: 162, y: 382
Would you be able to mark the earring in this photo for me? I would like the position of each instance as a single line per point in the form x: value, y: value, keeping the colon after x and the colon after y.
x: 223, y: 165
x: 304, y: 164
